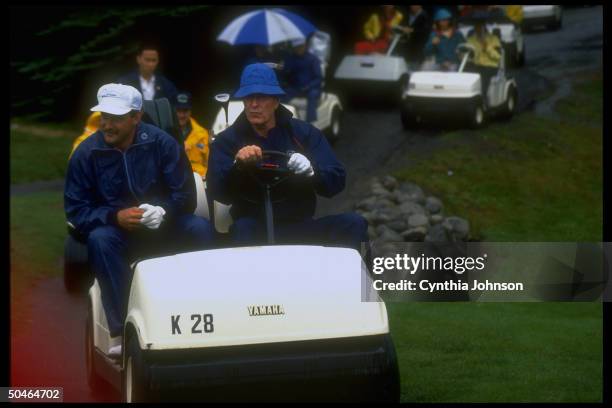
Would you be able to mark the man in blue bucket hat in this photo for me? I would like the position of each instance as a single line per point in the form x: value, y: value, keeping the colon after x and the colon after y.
x: 265, y: 124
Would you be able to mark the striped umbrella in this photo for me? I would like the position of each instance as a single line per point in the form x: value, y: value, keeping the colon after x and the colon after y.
x: 266, y: 27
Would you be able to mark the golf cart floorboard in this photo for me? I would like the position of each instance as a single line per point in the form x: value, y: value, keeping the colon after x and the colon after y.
x: 364, y: 361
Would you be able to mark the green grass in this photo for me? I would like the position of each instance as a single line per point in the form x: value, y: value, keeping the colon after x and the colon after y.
x: 37, y: 233
x: 498, y: 352
x: 40, y: 152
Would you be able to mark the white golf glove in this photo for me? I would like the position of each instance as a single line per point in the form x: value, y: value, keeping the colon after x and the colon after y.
x: 153, y: 215
x: 299, y: 164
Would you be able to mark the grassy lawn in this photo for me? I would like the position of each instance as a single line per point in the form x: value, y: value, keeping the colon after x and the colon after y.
x: 37, y: 232
x: 40, y: 152
x: 532, y: 179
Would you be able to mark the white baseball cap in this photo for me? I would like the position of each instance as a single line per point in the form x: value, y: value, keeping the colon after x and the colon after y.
x: 118, y: 99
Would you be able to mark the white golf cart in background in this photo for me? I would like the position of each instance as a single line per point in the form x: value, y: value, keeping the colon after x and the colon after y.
x: 437, y: 95
x: 329, y: 109
x: 374, y: 74
x: 511, y: 36
x: 550, y: 16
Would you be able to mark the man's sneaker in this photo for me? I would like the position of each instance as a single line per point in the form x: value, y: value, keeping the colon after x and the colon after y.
x: 114, y: 350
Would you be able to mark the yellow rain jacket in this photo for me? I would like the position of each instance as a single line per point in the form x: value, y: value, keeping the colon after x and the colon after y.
x: 196, y: 142
x: 91, y: 126
x: 372, y: 28
x: 196, y: 147
x: 515, y: 13
x: 486, y: 55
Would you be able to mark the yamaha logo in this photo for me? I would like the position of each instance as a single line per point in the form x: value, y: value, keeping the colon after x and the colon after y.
x: 266, y: 310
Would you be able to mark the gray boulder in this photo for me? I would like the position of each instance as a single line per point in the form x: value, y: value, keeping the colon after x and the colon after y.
x: 436, y: 218
x: 367, y: 205
x: 410, y: 208
x: 390, y: 183
x: 412, y: 191
x: 437, y: 233
x: 415, y: 234
x: 433, y: 205
x: 398, y: 225
x: 418, y: 220
x: 459, y: 227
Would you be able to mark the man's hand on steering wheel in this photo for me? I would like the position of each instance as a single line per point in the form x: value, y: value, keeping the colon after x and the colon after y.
x: 249, y: 154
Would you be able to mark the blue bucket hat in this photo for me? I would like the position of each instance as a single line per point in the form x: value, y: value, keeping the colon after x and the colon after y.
x: 258, y: 79
x: 442, y: 14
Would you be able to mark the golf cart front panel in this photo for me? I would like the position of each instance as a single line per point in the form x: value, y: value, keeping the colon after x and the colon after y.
x: 431, y: 84
x: 290, y: 369
x: 251, y: 295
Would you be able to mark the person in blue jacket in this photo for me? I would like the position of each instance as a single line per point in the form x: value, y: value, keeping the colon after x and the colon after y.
x: 150, y: 83
x: 265, y: 124
x: 443, y: 42
x: 304, y: 78
x: 129, y: 187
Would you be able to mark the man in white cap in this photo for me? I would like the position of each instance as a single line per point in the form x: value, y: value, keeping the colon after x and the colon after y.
x: 304, y: 78
x: 129, y: 187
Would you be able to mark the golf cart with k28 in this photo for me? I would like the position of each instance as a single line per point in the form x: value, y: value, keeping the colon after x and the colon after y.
x: 432, y: 94
x: 276, y: 322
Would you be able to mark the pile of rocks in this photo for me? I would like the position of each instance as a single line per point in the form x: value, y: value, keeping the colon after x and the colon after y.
x: 401, y: 212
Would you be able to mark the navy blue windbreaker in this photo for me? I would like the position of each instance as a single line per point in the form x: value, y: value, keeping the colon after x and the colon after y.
x: 101, y: 179
x: 288, y: 135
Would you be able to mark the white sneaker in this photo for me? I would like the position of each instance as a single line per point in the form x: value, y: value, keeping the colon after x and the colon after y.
x: 115, y: 347
x: 115, y: 351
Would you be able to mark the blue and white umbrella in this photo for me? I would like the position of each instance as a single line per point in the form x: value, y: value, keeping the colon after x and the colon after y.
x: 266, y: 27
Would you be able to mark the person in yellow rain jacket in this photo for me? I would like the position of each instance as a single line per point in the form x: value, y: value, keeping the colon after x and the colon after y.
x: 487, y: 50
x: 91, y: 126
x: 195, y: 136
x: 515, y: 13
x: 377, y: 30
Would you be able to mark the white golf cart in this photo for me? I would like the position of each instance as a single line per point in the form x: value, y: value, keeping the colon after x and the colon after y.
x: 255, y: 323
x: 511, y: 36
x: 374, y: 74
x: 433, y: 94
x: 550, y: 16
x: 329, y: 108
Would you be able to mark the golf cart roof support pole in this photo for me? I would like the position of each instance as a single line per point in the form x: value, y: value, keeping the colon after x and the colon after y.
x: 463, y: 62
x: 394, y: 42
x: 269, y: 215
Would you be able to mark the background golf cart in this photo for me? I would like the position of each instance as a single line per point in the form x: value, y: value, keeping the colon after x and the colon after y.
x: 374, y: 74
x: 432, y: 94
x: 549, y: 16
x: 329, y: 109
x: 510, y: 34
x: 317, y: 339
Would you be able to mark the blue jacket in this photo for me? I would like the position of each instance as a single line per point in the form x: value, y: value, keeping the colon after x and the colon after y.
x: 303, y: 72
x: 101, y: 179
x: 223, y: 179
x: 446, y: 50
x: 164, y: 88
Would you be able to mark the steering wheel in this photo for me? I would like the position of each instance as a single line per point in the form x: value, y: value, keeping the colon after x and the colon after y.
x: 466, y: 48
x: 268, y: 175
